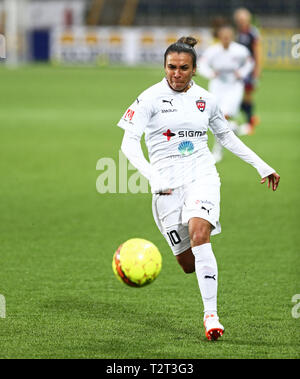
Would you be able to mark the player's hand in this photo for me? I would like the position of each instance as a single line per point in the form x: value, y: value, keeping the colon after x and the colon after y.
x: 273, y: 180
x: 159, y: 184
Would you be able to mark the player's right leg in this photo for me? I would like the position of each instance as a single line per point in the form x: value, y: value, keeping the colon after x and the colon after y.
x: 167, y: 211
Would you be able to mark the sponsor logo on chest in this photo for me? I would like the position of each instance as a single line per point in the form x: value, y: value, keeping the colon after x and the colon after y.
x: 184, y: 133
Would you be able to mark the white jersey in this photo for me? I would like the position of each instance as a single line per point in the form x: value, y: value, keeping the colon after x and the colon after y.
x: 226, y: 62
x: 175, y: 126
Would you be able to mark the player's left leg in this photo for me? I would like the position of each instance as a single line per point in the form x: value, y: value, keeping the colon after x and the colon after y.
x: 207, y: 274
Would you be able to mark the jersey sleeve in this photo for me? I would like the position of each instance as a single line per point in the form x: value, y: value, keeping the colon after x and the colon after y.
x: 217, y: 123
x: 231, y: 142
x: 136, y: 117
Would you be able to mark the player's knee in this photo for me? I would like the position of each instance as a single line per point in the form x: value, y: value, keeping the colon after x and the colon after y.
x: 199, y: 230
x: 200, y: 236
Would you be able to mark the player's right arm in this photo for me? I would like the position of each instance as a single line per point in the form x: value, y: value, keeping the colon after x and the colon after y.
x: 134, y: 122
x: 131, y: 148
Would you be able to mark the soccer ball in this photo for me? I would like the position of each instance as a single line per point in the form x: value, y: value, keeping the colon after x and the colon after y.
x: 137, y: 262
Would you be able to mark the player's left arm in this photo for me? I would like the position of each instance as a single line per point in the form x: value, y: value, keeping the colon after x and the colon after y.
x: 273, y: 180
x: 232, y: 143
x: 225, y: 136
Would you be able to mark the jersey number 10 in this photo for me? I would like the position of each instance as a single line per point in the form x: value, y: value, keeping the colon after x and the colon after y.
x: 174, y: 237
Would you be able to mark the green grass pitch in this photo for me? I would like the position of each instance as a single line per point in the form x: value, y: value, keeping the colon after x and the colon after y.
x: 58, y: 234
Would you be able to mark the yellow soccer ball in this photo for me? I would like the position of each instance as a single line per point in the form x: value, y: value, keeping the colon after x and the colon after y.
x: 137, y: 262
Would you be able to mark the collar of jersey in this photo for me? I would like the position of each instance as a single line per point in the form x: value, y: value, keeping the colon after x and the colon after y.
x: 166, y: 84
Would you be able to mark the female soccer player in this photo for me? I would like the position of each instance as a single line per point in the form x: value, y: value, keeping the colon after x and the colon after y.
x: 175, y: 115
x: 226, y: 64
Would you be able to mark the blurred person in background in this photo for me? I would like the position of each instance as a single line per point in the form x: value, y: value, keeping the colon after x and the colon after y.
x: 216, y: 24
x: 226, y: 64
x: 248, y: 35
x: 175, y: 115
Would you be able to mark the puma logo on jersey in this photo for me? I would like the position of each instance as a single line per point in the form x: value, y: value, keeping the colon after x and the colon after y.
x: 207, y: 210
x: 168, y: 101
x: 210, y: 277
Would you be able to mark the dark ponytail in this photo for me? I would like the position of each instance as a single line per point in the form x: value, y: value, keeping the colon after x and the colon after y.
x: 183, y: 45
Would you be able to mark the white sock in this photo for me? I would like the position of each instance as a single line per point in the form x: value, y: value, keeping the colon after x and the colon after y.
x: 207, y: 275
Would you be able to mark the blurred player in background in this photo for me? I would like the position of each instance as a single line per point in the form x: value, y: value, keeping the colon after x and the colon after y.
x: 226, y: 64
x: 248, y: 36
x: 216, y: 24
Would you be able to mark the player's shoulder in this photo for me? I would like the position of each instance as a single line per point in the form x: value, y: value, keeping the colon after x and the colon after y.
x: 214, y: 48
x: 211, y: 102
x: 152, y: 92
x: 253, y: 30
x: 203, y: 93
x: 236, y: 46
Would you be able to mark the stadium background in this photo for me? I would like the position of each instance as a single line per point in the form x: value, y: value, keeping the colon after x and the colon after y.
x: 70, y: 70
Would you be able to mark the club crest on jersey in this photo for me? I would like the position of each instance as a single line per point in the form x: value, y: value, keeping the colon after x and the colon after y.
x: 200, y: 105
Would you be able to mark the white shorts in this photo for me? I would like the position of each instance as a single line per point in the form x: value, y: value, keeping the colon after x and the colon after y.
x: 173, y: 212
x: 229, y: 96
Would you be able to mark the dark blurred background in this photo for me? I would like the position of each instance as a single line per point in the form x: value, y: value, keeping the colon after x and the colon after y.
x: 134, y: 31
